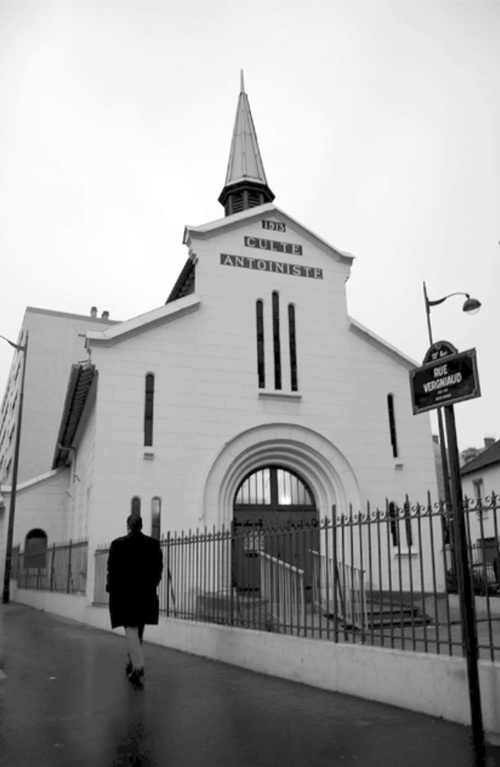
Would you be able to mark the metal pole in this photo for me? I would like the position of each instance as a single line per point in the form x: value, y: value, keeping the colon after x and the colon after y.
x: 466, y: 596
x: 13, y: 491
x: 442, y: 442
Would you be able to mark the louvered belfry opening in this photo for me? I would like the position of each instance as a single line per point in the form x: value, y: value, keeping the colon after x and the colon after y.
x: 243, y: 196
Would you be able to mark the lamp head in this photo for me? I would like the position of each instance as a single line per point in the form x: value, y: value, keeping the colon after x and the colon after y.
x: 471, y: 305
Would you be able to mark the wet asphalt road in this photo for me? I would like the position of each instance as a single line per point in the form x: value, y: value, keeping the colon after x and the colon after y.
x: 65, y: 702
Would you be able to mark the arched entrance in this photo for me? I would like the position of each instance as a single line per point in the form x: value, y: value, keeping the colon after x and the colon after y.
x: 303, y: 451
x: 274, y: 511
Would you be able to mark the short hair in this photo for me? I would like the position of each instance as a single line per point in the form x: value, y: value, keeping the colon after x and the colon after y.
x: 134, y: 523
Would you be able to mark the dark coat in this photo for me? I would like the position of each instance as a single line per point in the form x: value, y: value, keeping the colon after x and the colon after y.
x: 135, y: 566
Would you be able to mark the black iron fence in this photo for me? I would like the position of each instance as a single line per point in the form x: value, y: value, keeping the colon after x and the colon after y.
x: 61, y: 567
x: 384, y: 577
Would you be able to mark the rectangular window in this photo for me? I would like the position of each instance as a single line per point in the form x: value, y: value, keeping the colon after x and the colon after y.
x: 135, y: 506
x: 276, y: 341
x: 392, y: 424
x: 261, y: 365
x: 293, y: 347
x: 394, y: 523
x: 478, y: 490
x: 156, y: 518
x: 409, y: 534
x: 148, y: 410
x: 480, y: 508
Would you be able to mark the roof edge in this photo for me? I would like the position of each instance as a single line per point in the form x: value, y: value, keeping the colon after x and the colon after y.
x: 486, y: 458
x: 363, y: 332
x: 6, y: 489
x: 213, y: 228
x: 143, y: 322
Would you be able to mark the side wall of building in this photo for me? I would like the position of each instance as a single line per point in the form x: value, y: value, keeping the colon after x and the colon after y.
x: 56, y: 341
x: 42, y: 505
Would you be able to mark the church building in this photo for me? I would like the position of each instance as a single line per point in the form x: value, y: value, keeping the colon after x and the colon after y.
x: 250, y: 390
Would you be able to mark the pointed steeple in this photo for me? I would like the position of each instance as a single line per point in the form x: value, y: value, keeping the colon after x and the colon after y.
x: 246, y: 183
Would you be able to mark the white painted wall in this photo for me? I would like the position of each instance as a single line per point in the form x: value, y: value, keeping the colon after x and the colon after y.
x: 40, y: 503
x: 206, y: 388
x: 211, y: 421
x: 56, y: 341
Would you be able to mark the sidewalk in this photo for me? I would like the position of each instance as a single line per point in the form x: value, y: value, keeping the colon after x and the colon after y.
x: 65, y: 702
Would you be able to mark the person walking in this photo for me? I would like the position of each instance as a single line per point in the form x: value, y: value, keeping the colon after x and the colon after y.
x: 135, y: 566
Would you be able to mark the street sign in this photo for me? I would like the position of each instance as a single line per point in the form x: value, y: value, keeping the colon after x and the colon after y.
x: 439, y: 350
x: 449, y: 379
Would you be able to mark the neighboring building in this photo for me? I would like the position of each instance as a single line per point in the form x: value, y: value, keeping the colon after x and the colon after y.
x: 56, y: 340
x: 481, y: 475
x: 470, y: 453
x: 481, y: 488
x: 466, y: 456
x: 251, y: 391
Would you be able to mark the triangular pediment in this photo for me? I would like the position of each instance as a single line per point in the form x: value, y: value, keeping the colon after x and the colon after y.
x: 267, y: 213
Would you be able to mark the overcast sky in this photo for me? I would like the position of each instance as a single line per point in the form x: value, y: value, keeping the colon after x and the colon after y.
x: 378, y: 123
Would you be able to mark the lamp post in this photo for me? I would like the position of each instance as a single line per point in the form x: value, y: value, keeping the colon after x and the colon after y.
x: 12, y: 509
x: 471, y: 306
x: 453, y: 490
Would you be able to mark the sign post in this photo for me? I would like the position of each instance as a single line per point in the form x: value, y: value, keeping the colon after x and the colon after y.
x: 466, y: 595
x: 447, y: 377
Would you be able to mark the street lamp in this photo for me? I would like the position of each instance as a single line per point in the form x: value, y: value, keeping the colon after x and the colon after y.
x: 13, y: 490
x: 470, y: 306
x: 454, y: 499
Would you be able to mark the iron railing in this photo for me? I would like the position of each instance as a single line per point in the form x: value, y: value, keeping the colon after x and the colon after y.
x: 383, y: 577
x: 65, y: 568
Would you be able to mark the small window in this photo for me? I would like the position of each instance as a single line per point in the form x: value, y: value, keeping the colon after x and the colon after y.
x: 392, y: 424
x: 135, y: 506
x: 395, y: 517
x: 478, y: 486
x: 261, y: 364
x: 276, y: 341
x: 148, y: 410
x: 293, y: 347
x: 394, y: 523
x: 35, y: 549
x: 156, y: 518
x: 409, y: 534
x: 478, y: 490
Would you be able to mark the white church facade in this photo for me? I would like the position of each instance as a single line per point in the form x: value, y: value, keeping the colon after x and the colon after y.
x: 253, y: 368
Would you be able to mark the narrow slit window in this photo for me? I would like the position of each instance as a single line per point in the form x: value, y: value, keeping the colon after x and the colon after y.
x: 392, y: 424
x: 276, y: 341
x: 409, y: 534
x: 148, y: 410
x: 293, y: 347
x: 135, y: 506
x: 261, y: 365
x: 394, y: 523
x: 156, y: 518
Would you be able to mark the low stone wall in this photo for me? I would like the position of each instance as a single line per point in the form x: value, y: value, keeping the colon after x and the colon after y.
x: 432, y: 684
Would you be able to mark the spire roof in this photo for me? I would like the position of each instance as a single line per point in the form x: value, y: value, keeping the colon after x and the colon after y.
x: 245, y: 161
x: 245, y: 169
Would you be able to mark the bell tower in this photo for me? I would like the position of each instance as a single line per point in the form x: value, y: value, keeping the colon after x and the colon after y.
x: 246, y: 183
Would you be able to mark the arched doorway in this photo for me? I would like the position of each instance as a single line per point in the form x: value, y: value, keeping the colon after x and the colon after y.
x: 278, y: 499
x: 35, y: 549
